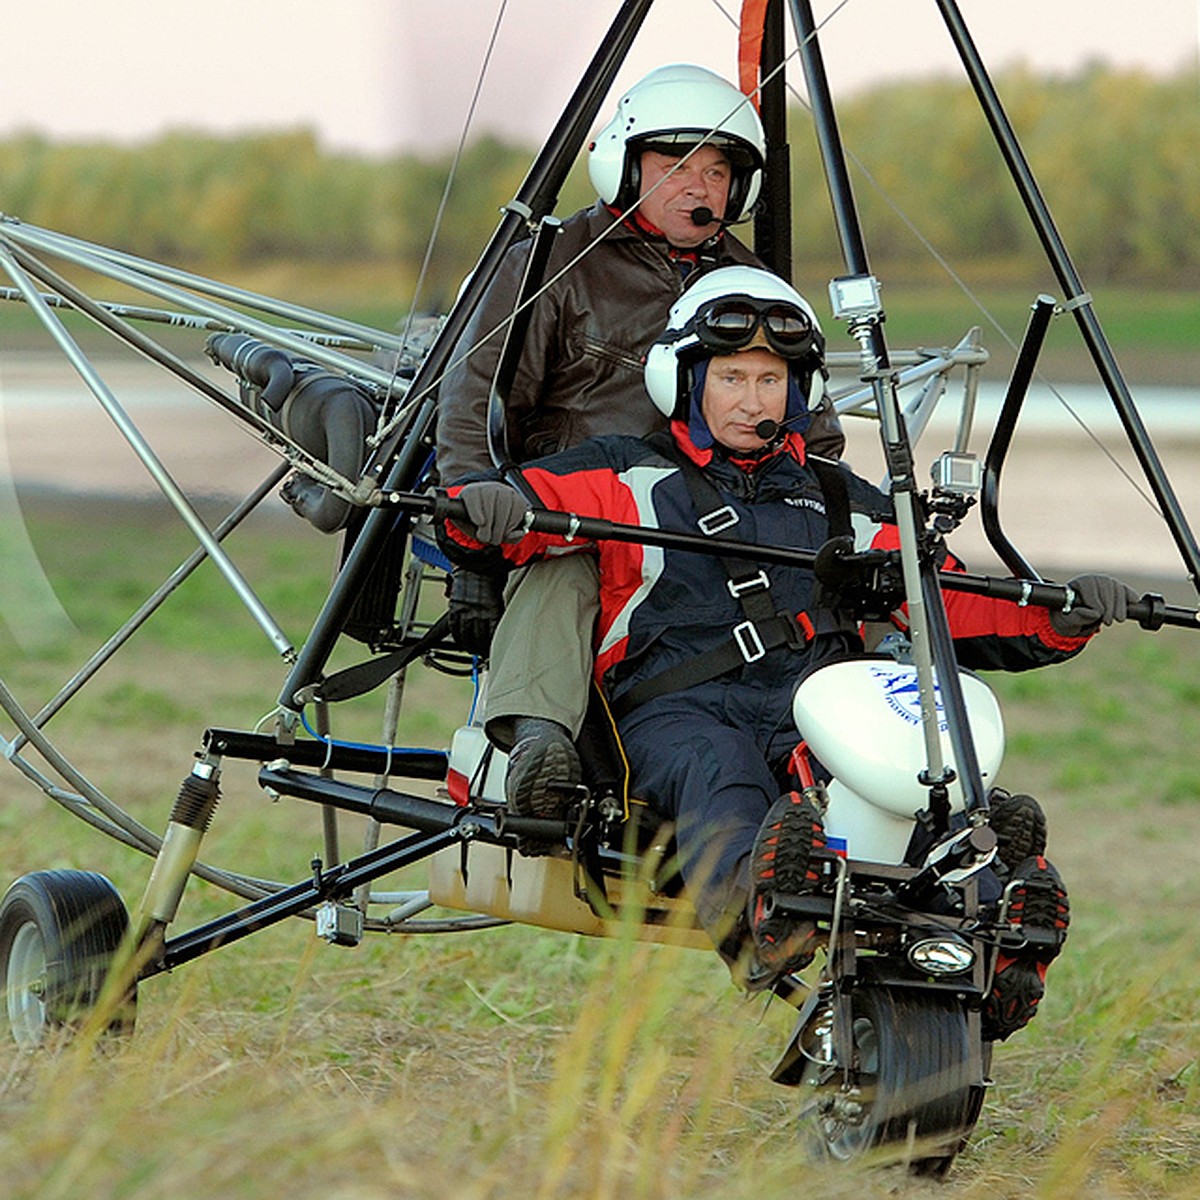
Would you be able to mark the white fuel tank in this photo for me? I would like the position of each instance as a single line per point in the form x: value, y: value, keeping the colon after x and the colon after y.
x: 862, y: 719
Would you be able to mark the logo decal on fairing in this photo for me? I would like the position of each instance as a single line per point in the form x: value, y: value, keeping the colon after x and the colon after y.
x: 903, y: 696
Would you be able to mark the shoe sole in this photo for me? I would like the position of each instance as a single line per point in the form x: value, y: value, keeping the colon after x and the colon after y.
x: 538, y: 778
x: 1037, y: 902
x: 783, y: 861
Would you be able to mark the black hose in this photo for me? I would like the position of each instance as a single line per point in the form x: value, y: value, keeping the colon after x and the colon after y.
x: 269, y: 369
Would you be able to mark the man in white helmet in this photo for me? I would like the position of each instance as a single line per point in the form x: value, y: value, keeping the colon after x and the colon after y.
x: 680, y: 160
x: 699, y: 656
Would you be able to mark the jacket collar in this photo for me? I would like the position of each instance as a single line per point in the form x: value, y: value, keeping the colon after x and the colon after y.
x: 791, y: 445
x: 636, y: 226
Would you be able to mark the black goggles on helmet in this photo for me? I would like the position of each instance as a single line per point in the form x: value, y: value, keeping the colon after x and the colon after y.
x: 734, y: 323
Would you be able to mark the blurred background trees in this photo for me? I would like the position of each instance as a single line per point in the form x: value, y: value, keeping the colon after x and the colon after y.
x: 1116, y: 154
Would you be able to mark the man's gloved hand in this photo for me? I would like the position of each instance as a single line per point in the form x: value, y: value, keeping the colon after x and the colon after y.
x: 475, y: 608
x: 495, y: 512
x: 1099, y: 600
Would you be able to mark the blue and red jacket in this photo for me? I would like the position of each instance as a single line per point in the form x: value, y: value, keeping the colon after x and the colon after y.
x: 663, y: 607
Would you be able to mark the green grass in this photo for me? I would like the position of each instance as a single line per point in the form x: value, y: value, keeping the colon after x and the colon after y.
x: 1154, y: 333
x: 519, y: 1062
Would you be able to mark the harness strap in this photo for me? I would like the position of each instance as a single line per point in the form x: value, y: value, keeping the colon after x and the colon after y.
x: 763, y: 630
x: 832, y: 480
x: 749, y: 643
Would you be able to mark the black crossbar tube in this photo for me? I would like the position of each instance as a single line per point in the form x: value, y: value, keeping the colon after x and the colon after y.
x: 833, y: 158
x: 338, y: 881
x: 385, y: 805
x: 535, y: 199
x: 1150, y: 612
x: 1006, y: 423
x: 772, y: 221
x: 262, y: 747
x: 1077, y: 298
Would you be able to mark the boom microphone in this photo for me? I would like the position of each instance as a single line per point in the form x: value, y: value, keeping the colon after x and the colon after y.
x: 769, y: 430
x: 705, y: 216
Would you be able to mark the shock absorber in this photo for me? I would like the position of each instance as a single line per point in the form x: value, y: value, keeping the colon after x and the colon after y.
x: 190, y: 819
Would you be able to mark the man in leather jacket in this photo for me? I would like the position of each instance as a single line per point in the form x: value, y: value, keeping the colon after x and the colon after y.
x: 681, y: 159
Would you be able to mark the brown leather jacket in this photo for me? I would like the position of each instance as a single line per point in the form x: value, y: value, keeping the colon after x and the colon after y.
x: 580, y: 372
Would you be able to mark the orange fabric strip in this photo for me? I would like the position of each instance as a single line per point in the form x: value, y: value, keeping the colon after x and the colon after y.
x: 750, y: 38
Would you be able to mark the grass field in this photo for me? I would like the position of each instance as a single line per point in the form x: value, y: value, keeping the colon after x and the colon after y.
x: 515, y: 1062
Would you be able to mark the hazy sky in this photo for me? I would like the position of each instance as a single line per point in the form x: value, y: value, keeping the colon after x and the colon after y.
x: 385, y: 74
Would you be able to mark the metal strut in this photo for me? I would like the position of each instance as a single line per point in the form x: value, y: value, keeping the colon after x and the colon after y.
x: 536, y: 198
x: 928, y: 626
x: 1078, y: 301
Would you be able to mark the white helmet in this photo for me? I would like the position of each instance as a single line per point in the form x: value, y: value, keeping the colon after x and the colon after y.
x: 732, y: 309
x: 673, y: 109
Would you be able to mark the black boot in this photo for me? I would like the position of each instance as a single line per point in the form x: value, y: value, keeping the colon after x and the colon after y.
x: 1020, y: 828
x: 785, y: 859
x: 543, y: 768
x: 1038, y: 906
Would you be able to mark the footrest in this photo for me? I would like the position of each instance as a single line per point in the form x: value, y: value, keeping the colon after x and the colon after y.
x: 1012, y: 939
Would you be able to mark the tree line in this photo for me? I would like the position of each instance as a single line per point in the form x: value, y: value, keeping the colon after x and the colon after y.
x: 1115, y: 153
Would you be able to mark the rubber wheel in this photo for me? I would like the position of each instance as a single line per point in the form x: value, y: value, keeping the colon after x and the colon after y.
x: 911, y: 1088
x: 59, y: 933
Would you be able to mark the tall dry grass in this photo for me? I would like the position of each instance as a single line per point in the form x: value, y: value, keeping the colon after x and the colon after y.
x: 517, y: 1062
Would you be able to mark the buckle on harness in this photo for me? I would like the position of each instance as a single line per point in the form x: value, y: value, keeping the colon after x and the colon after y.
x: 746, y: 638
x: 718, y: 520
x: 757, y: 582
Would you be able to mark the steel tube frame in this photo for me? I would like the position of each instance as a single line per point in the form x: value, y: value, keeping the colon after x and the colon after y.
x: 148, y: 606
x: 925, y: 607
x: 1006, y: 422
x: 337, y: 882
x: 1078, y: 301
x: 374, y: 339
x: 133, y: 833
x: 178, y: 320
x: 535, y: 199
x: 32, y: 237
x: 112, y: 323
x: 149, y: 459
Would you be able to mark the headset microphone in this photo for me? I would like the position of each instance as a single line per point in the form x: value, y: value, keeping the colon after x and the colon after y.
x: 705, y: 216
x: 769, y: 430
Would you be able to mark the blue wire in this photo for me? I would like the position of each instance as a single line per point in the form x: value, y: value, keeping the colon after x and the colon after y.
x: 475, y: 690
x: 327, y: 741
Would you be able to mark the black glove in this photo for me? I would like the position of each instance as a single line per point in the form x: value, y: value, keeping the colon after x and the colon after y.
x: 475, y: 608
x: 1099, y: 600
x: 495, y: 512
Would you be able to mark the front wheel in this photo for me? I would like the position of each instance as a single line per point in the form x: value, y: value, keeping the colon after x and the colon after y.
x: 908, y: 1092
x: 59, y: 935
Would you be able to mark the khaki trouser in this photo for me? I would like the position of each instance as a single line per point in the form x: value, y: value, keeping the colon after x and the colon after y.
x: 541, y: 658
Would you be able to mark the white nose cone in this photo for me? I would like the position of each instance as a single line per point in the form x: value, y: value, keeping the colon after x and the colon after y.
x: 862, y: 719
